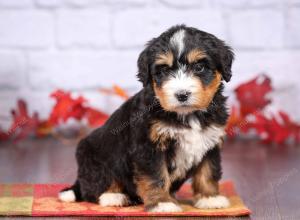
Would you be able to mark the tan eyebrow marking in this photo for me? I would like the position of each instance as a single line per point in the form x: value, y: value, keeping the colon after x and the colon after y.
x: 195, y: 55
x: 165, y: 58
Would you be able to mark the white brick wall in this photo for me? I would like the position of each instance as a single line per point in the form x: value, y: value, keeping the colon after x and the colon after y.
x: 15, y: 3
x: 156, y: 20
x: 30, y: 29
x: 82, y: 70
x: 88, y: 28
x: 82, y: 45
x: 12, y: 70
x: 256, y: 29
x: 293, y: 27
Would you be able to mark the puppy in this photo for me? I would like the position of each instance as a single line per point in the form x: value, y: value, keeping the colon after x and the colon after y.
x: 168, y: 132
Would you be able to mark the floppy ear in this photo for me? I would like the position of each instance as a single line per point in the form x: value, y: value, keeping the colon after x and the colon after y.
x: 226, y: 57
x: 144, y: 67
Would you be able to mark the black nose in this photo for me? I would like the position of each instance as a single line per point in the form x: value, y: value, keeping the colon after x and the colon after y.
x: 182, y: 96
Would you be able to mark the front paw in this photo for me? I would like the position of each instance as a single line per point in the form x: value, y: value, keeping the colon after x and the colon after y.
x: 113, y: 199
x: 212, y: 202
x: 166, y: 207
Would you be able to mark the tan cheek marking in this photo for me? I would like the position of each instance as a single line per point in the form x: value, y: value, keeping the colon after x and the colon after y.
x: 195, y: 55
x: 162, y: 96
x: 206, y: 93
x: 165, y: 58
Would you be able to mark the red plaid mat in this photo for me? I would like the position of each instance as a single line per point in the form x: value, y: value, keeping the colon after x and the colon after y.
x: 41, y: 200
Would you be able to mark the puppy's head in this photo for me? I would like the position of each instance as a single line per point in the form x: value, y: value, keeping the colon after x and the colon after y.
x: 185, y: 68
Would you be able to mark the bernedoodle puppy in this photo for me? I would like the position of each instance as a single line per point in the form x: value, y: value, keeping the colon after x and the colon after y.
x: 168, y: 132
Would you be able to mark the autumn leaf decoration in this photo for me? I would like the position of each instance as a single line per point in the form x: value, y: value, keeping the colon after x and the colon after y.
x: 3, y: 135
x: 67, y: 107
x: 115, y: 90
x: 23, y: 124
x: 246, y: 117
x: 249, y: 115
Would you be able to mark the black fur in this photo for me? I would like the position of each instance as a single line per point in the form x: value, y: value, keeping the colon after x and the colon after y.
x: 115, y: 151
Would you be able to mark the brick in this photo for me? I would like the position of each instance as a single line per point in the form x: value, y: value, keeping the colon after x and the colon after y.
x: 49, y: 3
x: 247, y: 3
x: 84, y: 3
x: 83, y: 28
x: 26, y: 29
x: 256, y: 29
x: 128, y: 2
x: 294, y: 2
x: 293, y: 28
x: 82, y: 70
x: 12, y: 70
x: 232, y: 3
x: 129, y: 31
x: 15, y: 3
x: 185, y: 4
x: 88, y: 3
x: 266, y: 3
x: 92, y: 3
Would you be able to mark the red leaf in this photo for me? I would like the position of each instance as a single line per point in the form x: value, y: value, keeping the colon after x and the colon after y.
x: 275, y: 129
x: 95, y: 117
x: 252, y: 94
x: 66, y: 107
x: 291, y: 126
x: 23, y: 125
x: 3, y: 135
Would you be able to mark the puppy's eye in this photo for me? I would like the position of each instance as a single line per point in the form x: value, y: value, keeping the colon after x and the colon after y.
x: 199, y: 67
x: 162, y: 69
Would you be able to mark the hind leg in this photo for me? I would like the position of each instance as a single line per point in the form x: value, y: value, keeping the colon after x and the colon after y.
x: 97, y: 178
x: 94, y: 176
x: 94, y: 180
x: 100, y: 187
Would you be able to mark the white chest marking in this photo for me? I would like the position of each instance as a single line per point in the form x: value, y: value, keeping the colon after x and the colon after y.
x: 193, y: 143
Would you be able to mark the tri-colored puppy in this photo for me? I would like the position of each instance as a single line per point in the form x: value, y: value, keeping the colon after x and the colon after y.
x: 168, y: 132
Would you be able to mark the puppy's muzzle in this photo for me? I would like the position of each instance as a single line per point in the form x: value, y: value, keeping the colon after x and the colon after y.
x: 182, y: 95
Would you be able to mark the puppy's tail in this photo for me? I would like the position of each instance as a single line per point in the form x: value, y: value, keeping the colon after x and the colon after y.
x: 71, y: 194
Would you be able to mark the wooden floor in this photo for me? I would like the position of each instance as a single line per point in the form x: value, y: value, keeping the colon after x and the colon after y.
x: 266, y: 177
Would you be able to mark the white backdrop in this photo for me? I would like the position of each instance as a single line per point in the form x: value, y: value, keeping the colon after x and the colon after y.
x: 83, y: 45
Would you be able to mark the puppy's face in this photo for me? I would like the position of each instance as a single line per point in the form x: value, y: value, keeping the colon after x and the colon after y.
x: 185, y: 67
